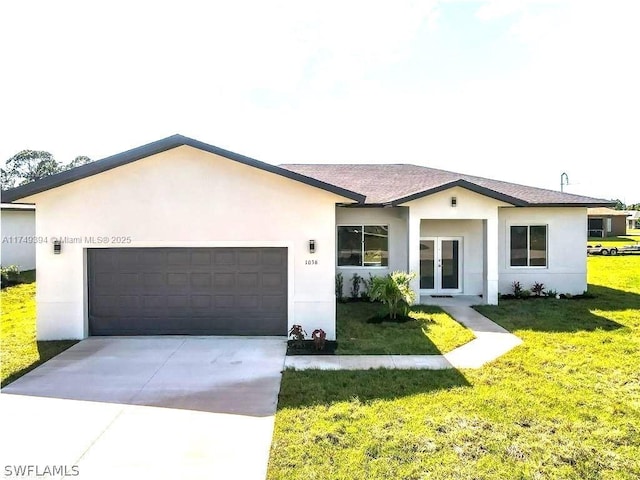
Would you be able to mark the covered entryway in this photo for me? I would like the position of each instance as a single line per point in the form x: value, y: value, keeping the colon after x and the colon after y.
x: 187, y: 291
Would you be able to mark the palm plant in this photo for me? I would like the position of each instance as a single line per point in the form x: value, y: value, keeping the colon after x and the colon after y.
x: 394, y: 290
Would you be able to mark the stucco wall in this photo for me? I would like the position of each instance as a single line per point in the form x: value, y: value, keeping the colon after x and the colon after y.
x: 184, y: 197
x: 566, y: 269
x: 618, y: 226
x: 472, y: 248
x: 18, y: 227
x: 396, y: 218
x: 469, y: 206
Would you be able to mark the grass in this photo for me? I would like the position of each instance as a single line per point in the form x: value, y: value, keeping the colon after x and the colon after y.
x: 563, y: 405
x: 20, y: 351
x: 431, y: 332
x: 628, y: 239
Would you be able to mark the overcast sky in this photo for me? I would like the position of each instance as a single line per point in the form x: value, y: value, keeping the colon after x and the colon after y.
x: 517, y: 91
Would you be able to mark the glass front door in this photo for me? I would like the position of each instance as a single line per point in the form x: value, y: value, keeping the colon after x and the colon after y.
x: 441, y: 265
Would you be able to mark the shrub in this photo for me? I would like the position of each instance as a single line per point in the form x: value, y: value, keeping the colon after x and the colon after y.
x: 367, y: 287
x: 298, y: 334
x: 516, y: 287
x: 339, y: 287
x: 538, y: 289
x: 355, y: 286
x: 319, y: 338
x: 10, y: 275
x: 394, y: 291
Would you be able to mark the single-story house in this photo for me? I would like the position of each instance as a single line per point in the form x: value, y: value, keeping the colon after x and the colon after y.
x: 633, y: 219
x: 18, y: 230
x: 606, y: 222
x: 182, y: 237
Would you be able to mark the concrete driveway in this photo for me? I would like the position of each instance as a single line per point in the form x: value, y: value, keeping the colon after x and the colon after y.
x: 147, y: 407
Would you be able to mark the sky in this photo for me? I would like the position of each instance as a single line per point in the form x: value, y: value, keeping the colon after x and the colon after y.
x: 520, y: 91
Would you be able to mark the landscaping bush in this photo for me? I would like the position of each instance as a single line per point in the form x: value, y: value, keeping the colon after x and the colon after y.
x: 10, y: 275
x: 394, y: 291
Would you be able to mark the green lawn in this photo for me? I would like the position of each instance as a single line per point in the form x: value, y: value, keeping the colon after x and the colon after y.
x: 432, y: 331
x: 563, y: 405
x: 19, y: 350
x: 629, y: 239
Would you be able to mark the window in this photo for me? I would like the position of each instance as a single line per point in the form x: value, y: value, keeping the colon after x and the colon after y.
x: 529, y: 246
x: 363, y: 246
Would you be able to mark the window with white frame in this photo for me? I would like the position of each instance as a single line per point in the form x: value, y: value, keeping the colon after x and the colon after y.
x: 363, y: 245
x: 528, y: 246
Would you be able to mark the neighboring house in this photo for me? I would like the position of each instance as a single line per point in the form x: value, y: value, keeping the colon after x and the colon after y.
x: 18, y: 229
x: 606, y: 222
x: 633, y: 219
x: 181, y: 237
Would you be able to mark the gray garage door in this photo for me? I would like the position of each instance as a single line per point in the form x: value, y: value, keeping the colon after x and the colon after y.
x: 187, y: 291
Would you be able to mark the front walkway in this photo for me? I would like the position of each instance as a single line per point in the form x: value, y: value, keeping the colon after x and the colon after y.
x: 491, y: 342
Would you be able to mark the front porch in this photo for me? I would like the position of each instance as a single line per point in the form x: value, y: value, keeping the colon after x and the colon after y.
x: 456, y: 260
x: 451, y: 300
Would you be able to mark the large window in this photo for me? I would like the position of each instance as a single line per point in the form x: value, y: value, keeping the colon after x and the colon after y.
x: 363, y: 246
x: 529, y: 246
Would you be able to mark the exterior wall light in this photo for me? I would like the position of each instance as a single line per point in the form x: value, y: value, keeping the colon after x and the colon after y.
x: 454, y: 201
x: 57, y: 247
x: 312, y: 246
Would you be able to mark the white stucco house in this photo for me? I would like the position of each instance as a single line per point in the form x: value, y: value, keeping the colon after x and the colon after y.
x: 17, y: 230
x: 181, y: 237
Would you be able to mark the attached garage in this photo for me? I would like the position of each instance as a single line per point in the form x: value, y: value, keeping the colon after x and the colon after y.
x: 215, y: 243
x: 187, y: 291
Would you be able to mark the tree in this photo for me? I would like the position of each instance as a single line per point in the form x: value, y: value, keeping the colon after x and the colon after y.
x: 31, y: 165
x: 76, y: 162
x: 618, y: 204
x: 27, y: 166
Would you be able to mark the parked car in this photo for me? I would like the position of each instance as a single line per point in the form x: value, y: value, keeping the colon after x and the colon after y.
x: 600, y: 250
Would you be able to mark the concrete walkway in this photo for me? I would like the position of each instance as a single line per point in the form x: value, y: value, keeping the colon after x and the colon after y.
x: 491, y: 342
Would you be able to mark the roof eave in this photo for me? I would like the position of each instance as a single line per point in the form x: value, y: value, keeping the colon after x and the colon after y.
x: 153, y: 148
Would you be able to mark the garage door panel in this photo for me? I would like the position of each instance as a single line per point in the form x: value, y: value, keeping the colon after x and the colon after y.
x: 247, y: 302
x: 200, y: 279
x: 273, y: 280
x: 153, y: 280
x: 248, y: 258
x: 274, y: 302
x: 224, y: 301
x: 177, y: 301
x: 177, y: 258
x: 177, y: 279
x: 248, y: 280
x: 224, y: 257
x: 201, y: 258
x: 224, y: 280
x: 197, y: 291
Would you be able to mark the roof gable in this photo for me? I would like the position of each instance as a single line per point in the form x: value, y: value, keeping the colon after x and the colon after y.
x: 114, y: 161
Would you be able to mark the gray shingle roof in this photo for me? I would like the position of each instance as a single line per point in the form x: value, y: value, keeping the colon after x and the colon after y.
x: 114, y: 161
x: 399, y: 183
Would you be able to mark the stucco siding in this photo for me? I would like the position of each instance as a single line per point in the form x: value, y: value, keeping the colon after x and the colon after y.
x: 396, y: 218
x: 18, y: 229
x: 480, y: 214
x: 184, y: 197
x: 566, y: 269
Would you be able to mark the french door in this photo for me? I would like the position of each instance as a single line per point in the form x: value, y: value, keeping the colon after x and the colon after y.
x: 441, y: 265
